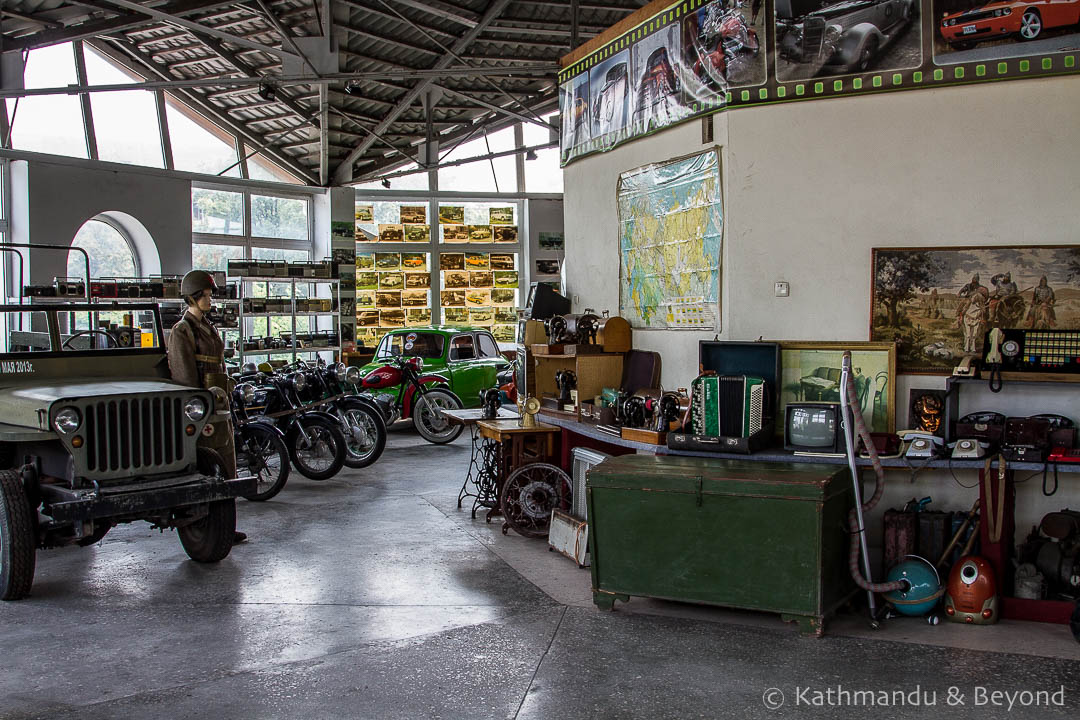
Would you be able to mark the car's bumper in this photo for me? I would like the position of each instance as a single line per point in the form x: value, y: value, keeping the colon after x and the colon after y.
x: 981, y: 30
x: 132, y: 502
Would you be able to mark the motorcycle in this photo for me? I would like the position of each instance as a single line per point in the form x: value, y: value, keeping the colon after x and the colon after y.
x: 260, y: 446
x: 420, y: 397
x: 725, y: 46
x: 314, y: 439
x: 360, y: 419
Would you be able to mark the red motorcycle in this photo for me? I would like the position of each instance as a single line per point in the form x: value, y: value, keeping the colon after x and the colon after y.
x: 420, y: 397
x: 726, y: 44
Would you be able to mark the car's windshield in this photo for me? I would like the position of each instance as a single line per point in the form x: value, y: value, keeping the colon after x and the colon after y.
x: 23, y: 331
x: 412, y: 344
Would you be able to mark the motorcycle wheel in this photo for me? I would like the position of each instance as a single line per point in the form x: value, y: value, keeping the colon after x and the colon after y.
x: 261, y: 452
x: 326, y: 454
x: 365, y: 436
x: 428, y: 420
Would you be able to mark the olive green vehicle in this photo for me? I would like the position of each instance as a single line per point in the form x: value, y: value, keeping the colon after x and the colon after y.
x: 93, y: 434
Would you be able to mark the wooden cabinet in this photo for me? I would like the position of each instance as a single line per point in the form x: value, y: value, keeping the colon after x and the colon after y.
x: 594, y: 372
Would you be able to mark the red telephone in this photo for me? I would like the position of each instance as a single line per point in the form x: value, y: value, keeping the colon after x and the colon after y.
x: 1060, y: 453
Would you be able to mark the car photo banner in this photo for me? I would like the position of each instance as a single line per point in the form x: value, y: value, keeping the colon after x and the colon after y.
x: 697, y: 57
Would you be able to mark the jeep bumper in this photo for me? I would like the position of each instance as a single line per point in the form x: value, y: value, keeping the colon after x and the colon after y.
x: 135, y: 501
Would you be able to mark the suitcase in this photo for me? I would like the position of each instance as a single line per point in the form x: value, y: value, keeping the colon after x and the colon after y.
x: 900, y: 538
x: 734, y: 533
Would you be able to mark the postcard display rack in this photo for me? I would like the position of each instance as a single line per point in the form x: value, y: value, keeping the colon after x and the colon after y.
x: 320, y: 304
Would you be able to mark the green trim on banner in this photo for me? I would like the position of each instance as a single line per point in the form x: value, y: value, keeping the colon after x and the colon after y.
x: 1025, y: 65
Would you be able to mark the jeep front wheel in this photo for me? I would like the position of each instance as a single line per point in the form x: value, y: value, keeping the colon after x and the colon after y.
x: 17, y: 545
x: 210, y: 538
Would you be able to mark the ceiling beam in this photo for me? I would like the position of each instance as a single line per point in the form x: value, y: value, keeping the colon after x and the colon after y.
x: 408, y: 47
x: 446, y: 11
x: 36, y: 19
x: 412, y: 25
x: 202, y: 29
x: 496, y: 108
x: 344, y: 170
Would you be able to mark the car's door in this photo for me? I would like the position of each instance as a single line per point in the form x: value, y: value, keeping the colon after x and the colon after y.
x: 465, y: 367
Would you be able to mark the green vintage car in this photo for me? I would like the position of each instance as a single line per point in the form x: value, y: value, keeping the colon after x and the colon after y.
x: 467, y: 358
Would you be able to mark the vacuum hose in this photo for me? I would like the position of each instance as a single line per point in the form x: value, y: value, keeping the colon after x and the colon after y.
x: 853, y: 418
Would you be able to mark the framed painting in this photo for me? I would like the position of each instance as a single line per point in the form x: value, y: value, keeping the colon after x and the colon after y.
x: 937, y: 303
x: 810, y: 371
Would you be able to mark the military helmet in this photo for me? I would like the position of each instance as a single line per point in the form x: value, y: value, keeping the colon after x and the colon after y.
x: 195, y: 282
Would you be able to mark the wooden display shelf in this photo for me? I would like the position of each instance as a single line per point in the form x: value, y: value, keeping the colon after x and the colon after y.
x: 593, y: 372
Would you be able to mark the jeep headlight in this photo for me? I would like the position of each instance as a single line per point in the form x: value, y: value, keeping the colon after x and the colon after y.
x: 341, y: 371
x: 195, y: 409
x: 67, y: 420
x: 352, y: 375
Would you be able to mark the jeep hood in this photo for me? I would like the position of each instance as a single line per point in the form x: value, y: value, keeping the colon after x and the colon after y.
x: 19, y: 404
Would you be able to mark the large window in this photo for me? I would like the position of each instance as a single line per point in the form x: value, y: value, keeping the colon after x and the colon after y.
x: 498, y: 175
x: 125, y: 123
x: 49, y: 123
x: 217, y: 212
x: 542, y: 175
x: 109, y: 250
x: 279, y: 217
x: 197, y: 145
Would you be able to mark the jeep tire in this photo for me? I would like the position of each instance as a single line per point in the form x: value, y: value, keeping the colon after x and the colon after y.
x: 210, y: 538
x: 17, y: 538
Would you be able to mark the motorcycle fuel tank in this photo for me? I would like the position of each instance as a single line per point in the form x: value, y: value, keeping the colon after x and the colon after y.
x: 386, y: 376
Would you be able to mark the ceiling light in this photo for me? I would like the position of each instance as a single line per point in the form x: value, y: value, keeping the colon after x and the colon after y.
x: 530, y: 155
x: 386, y: 183
x: 353, y: 88
x: 267, y: 90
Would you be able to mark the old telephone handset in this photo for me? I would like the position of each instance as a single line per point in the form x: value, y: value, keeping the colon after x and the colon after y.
x: 922, y: 444
x: 993, y: 358
x: 966, y: 368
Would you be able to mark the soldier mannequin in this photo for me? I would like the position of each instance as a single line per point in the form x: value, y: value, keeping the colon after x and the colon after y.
x: 197, y: 359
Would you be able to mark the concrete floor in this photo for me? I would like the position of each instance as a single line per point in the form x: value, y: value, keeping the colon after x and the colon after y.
x: 372, y: 596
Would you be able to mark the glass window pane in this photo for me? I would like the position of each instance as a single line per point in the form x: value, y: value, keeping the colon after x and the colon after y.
x: 197, y: 144
x: 49, y: 123
x: 214, y: 257
x: 217, y: 211
x: 125, y: 123
x: 542, y: 174
x: 110, y: 254
x: 414, y: 181
x: 477, y: 176
x: 277, y: 217
x: 260, y: 168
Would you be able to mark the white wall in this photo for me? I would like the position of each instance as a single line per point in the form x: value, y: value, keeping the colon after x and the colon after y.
x: 811, y: 187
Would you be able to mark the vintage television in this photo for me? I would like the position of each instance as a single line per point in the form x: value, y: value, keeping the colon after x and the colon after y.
x: 545, y: 302
x: 814, y: 427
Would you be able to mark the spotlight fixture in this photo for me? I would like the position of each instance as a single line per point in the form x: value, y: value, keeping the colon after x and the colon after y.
x: 530, y: 155
x: 267, y: 90
x: 386, y: 183
x: 353, y: 88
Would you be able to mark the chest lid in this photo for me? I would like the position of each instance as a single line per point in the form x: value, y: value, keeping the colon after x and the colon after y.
x: 678, y: 474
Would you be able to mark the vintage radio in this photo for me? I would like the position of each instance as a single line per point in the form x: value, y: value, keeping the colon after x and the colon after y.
x: 272, y: 268
x: 278, y: 305
x: 324, y: 269
x: 39, y: 291
x: 102, y: 288
x: 128, y: 288
x: 170, y: 286
x: 301, y: 269
x: 225, y: 316
x: 151, y: 288
x: 70, y: 287
x: 1026, y: 439
x: 242, y: 268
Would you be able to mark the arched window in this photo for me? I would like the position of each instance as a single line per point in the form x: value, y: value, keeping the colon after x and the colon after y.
x: 110, y: 251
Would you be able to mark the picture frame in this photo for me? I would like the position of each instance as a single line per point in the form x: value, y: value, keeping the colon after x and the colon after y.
x: 810, y: 371
x: 937, y: 303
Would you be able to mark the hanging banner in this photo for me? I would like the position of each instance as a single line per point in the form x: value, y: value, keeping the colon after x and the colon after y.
x: 696, y: 57
x: 670, y: 228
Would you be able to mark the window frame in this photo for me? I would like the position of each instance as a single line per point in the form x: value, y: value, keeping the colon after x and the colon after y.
x: 120, y: 231
x: 247, y: 239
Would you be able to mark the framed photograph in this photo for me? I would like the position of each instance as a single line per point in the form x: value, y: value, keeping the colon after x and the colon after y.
x: 551, y: 241
x: 387, y: 261
x: 455, y: 233
x: 479, y: 233
x: 391, y: 233
x: 480, y: 316
x: 414, y: 261
x: 501, y: 216
x: 502, y: 297
x: 505, y: 278
x: 477, y: 297
x: 505, y: 315
x: 414, y: 298
x: 415, y: 281
x: 367, y: 318
x: 388, y: 299
x: 547, y: 267
x: 810, y: 371
x: 454, y: 279
x: 415, y: 317
x: 480, y: 279
x: 365, y: 299
x: 451, y: 214
x: 413, y: 214
x: 503, y: 333
x: 451, y: 261
x: 937, y: 303
x: 365, y: 261
x: 362, y: 234
x: 365, y: 214
x: 391, y: 280
x: 341, y: 229
x: 417, y: 233
x: 501, y: 262
x: 456, y: 316
x: 392, y: 318
x: 477, y: 261
x: 452, y: 298
x: 367, y: 280
x: 506, y: 234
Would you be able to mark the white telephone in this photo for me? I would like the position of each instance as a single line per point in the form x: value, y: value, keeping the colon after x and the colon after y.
x: 922, y: 444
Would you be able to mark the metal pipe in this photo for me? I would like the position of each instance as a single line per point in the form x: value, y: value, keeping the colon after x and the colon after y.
x: 64, y: 248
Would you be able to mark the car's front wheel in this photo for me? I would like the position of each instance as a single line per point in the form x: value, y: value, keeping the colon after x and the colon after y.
x: 17, y: 538
x: 866, y: 55
x: 1031, y: 25
x: 210, y: 538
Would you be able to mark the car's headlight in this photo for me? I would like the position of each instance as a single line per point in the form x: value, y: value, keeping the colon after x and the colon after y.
x: 67, y: 420
x: 299, y: 382
x: 341, y: 371
x: 352, y: 375
x: 195, y: 409
x: 247, y: 392
x: 1006, y: 11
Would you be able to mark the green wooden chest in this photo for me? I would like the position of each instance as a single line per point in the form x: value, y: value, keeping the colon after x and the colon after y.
x: 737, y: 533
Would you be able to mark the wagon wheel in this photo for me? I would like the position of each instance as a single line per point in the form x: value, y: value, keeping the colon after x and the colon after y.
x: 530, y: 494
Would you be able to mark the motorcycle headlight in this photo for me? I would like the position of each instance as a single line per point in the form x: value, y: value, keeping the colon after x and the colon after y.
x: 67, y: 420
x: 299, y: 382
x: 341, y: 371
x: 247, y: 392
x: 195, y: 409
x: 352, y: 375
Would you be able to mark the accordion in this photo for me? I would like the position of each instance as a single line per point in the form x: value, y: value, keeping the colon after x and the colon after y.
x: 727, y: 405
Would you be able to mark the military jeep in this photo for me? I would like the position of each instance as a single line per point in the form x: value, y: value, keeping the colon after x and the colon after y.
x: 94, y: 434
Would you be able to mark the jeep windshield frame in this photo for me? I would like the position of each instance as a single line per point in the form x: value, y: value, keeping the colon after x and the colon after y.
x: 53, y: 312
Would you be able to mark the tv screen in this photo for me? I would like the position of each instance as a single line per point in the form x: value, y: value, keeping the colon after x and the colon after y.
x: 813, y: 427
x: 544, y: 302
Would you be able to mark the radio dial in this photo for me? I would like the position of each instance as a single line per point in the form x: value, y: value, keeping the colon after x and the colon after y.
x: 1010, y: 348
